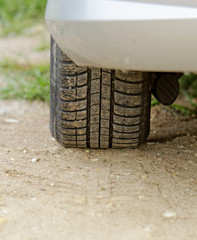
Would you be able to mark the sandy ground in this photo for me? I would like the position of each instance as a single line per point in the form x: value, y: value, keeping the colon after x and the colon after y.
x: 48, y: 192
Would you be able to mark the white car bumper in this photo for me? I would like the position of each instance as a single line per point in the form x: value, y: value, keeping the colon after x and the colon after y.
x: 124, y: 34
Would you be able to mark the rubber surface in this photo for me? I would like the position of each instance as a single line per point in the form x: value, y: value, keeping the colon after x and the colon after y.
x: 97, y: 108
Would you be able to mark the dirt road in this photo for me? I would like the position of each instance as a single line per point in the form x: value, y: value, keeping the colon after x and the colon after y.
x: 48, y: 192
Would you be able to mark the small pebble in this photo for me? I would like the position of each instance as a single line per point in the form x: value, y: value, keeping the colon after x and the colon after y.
x: 150, y: 143
x: 34, y: 160
x: 159, y: 154
x: 143, y: 176
x: 147, y: 229
x: 169, y: 214
x: 111, y: 204
x: 10, y: 120
x: 141, y: 197
x: 95, y: 160
x: 5, y: 211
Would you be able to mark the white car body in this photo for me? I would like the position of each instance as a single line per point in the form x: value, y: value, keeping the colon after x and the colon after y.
x: 144, y: 35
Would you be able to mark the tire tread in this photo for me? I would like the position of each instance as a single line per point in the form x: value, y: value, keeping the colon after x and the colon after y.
x: 97, y: 108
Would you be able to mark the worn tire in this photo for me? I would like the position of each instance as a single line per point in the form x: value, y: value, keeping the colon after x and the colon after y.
x: 97, y: 108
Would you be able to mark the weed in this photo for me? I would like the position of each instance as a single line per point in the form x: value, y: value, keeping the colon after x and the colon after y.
x: 19, y: 14
x: 154, y: 102
x: 43, y: 46
x: 188, y: 85
x: 187, y: 111
x: 25, y: 82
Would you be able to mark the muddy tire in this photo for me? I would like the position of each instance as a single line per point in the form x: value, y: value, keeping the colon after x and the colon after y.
x: 97, y: 108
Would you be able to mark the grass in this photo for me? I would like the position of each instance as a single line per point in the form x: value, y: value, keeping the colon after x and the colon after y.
x: 19, y: 14
x: 188, y: 85
x: 23, y: 82
x: 29, y: 82
x: 43, y: 46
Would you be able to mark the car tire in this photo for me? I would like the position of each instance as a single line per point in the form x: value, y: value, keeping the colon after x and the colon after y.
x: 97, y: 108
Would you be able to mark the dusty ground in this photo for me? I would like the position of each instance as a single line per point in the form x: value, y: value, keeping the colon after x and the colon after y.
x: 149, y: 193
x: 48, y: 192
